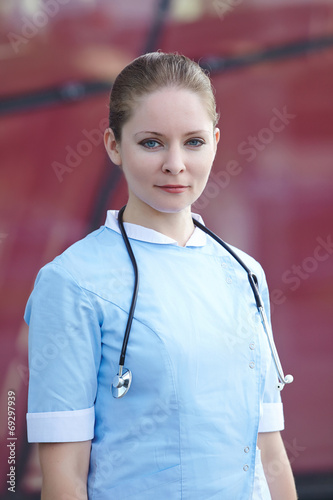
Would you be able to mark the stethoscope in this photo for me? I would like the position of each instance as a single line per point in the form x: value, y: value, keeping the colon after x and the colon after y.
x: 122, y: 381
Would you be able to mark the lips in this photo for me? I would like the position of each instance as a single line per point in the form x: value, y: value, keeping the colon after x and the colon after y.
x: 173, y: 188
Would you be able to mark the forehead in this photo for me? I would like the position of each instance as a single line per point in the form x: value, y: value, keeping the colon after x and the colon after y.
x: 175, y: 107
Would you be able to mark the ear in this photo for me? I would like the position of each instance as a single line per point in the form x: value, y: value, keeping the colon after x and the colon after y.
x: 112, y: 147
x: 217, y: 135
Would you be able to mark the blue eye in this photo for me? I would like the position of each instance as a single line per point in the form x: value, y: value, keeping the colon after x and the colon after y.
x: 195, y: 142
x: 150, y: 143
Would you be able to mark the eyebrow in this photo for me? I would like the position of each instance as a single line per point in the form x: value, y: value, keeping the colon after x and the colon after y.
x: 194, y: 132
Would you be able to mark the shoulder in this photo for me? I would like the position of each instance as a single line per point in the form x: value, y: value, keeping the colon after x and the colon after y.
x: 253, y: 265
x: 81, y: 270
x: 85, y: 257
x: 248, y: 260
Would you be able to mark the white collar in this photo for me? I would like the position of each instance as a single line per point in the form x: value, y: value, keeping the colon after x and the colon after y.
x: 136, y: 232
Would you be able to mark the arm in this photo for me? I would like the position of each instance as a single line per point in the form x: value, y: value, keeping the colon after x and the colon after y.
x: 276, y: 466
x: 65, y: 470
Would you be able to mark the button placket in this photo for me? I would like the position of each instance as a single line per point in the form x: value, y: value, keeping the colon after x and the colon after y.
x: 252, y: 362
x: 227, y: 271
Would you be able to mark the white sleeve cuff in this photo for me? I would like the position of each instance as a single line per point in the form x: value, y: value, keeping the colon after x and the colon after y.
x: 272, y: 417
x: 61, y: 426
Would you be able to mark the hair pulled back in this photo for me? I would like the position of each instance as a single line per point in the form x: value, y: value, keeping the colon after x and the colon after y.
x: 152, y: 72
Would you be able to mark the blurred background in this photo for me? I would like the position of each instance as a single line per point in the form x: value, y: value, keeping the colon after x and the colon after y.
x: 270, y: 192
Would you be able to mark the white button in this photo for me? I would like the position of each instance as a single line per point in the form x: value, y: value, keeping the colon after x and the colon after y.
x: 246, y: 467
x: 246, y: 449
x: 252, y: 346
x: 224, y: 265
x: 251, y: 365
x: 229, y: 280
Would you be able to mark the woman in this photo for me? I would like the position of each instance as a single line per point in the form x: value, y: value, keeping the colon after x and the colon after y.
x: 203, y: 394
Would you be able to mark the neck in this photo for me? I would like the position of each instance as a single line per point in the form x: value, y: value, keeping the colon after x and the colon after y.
x: 178, y: 226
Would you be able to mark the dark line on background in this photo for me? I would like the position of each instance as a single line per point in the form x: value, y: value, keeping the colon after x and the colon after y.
x: 107, y: 186
x: 66, y: 93
x: 222, y: 64
x: 76, y: 91
x: 112, y: 176
x: 157, y: 26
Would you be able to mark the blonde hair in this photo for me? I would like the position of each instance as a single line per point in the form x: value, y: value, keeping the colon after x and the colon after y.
x: 152, y: 72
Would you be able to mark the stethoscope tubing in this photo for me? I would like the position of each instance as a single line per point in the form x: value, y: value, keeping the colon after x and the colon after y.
x: 135, y: 288
x: 260, y: 305
x: 122, y: 382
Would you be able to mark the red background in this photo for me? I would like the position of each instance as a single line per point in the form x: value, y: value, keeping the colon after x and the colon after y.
x: 275, y: 206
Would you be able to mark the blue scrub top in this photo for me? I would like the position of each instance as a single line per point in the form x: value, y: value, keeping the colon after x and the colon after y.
x: 204, y: 382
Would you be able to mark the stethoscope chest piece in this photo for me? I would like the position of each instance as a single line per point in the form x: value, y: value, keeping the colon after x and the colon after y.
x: 121, y: 383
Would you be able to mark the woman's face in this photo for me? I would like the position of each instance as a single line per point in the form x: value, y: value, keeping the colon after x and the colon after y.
x: 166, y: 150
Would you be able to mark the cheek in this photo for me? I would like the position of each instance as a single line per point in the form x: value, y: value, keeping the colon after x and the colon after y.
x: 137, y: 173
x: 204, y: 166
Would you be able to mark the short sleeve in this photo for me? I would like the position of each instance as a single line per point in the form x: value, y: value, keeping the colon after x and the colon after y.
x: 271, y: 418
x: 64, y: 358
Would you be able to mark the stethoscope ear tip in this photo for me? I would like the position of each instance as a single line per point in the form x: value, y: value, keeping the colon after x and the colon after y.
x: 288, y: 379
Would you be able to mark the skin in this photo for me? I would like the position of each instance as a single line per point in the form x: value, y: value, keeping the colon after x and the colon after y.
x: 65, y: 470
x: 169, y: 140
x: 276, y: 466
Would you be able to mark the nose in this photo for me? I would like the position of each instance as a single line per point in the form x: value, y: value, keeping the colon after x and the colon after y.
x: 173, y: 161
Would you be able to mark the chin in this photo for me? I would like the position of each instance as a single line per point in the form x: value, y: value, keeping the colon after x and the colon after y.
x: 169, y: 209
